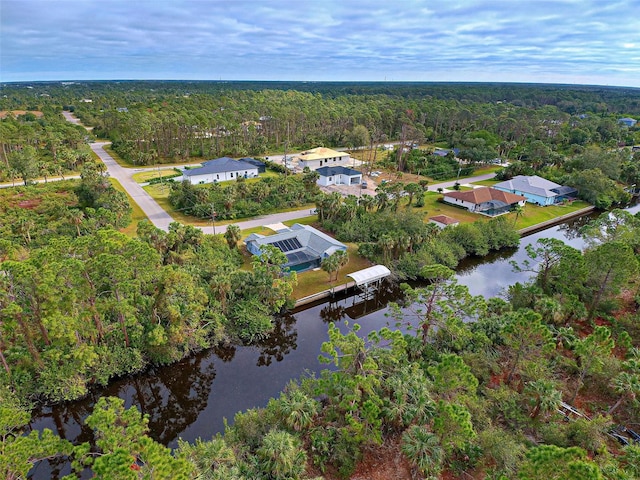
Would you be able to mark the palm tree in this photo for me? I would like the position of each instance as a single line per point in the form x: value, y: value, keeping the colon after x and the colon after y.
x: 627, y: 385
x: 232, y: 236
x: 298, y: 410
x: 519, y: 211
x: 423, y: 449
x: 281, y: 456
x: 342, y: 258
x: 329, y: 264
x: 366, y: 202
x: 546, y: 398
x: 75, y: 216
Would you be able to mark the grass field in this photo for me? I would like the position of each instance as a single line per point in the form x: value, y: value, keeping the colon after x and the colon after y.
x: 160, y: 193
x: 142, y: 177
x: 534, y: 214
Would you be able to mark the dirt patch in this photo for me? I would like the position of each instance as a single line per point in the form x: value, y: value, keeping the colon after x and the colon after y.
x: 5, y: 113
x: 29, y: 204
x: 384, y: 462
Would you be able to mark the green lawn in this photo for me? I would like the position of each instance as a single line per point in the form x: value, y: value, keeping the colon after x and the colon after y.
x: 486, y: 183
x: 161, y: 172
x: 433, y: 207
x: 315, y: 281
x: 534, y: 214
x: 125, y: 164
x: 160, y: 193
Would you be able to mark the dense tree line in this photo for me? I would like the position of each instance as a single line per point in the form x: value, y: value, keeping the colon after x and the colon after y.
x: 40, y: 146
x: 154, y: 122
x: 80, y: 310
x: 400, y: 238
x: 244, y: 198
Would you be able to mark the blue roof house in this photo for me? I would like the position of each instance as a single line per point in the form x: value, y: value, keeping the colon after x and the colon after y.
x: 629, y: 122
x: 537, y: 190
x: 303, y: 245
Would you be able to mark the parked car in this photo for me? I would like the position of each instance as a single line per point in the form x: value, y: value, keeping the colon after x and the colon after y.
x: 364, y: 185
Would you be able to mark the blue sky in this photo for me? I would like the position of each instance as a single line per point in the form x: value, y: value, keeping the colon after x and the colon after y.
x: 560, y: 41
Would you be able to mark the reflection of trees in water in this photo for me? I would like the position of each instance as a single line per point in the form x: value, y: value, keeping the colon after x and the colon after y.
x: 572, y: 229
x: 225, y: 352
x: 332, y: 312
x: 469, y: 264
x: 172, y: 396
x: 282, y: 340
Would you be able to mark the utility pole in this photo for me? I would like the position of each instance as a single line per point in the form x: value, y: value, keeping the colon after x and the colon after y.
x: 284, y: 159
x: 213, y: 218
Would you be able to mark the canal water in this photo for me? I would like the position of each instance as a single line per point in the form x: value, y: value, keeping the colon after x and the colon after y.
x: 192, y: 398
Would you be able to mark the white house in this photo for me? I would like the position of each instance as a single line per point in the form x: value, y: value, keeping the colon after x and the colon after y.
x: 442, y: 221
x: 338, y: 176
x: 322, y: 157
x: 220, y: 170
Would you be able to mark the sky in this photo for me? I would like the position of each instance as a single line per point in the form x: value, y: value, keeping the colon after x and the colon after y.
x: 595, y: 42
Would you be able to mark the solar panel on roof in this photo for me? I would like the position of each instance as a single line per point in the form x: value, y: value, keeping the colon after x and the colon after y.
x: 287, y: 245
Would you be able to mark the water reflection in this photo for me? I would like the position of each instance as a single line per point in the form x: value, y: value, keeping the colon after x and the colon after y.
x: 280, y: 342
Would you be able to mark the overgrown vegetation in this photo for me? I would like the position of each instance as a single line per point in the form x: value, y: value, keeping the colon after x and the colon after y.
x: 464, y: 386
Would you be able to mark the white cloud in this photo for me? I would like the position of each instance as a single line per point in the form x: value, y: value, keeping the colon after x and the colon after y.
x: 526, y: 40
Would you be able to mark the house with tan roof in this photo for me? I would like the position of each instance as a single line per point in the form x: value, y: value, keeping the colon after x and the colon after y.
x: 485, y: 200
x: 322, y: 157
x: 442, y: 221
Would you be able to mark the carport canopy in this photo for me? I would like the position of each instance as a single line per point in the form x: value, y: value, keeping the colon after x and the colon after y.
x: 370, y: 275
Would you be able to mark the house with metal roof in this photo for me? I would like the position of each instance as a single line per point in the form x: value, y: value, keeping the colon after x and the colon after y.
x: 484, y: 200
x: 304, y: 246
x: 338, y: 176
x: 629, y: 122
x: 322, y: 157
x: 537, y: 190
x: 220, y: 170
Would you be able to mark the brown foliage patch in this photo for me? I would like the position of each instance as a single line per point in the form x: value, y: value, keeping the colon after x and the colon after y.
x: 29, y: 204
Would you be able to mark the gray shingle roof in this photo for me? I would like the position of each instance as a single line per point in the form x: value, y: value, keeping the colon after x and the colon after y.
x: 532, y: 184
x: 313, y: 243
x: 219, y: 165
x: 330, y: 171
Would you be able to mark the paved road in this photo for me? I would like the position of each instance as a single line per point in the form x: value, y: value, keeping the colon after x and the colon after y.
x: 263, y: 220
x: 159, y: 217
x: 462, y: 181
x: 156, y: 214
